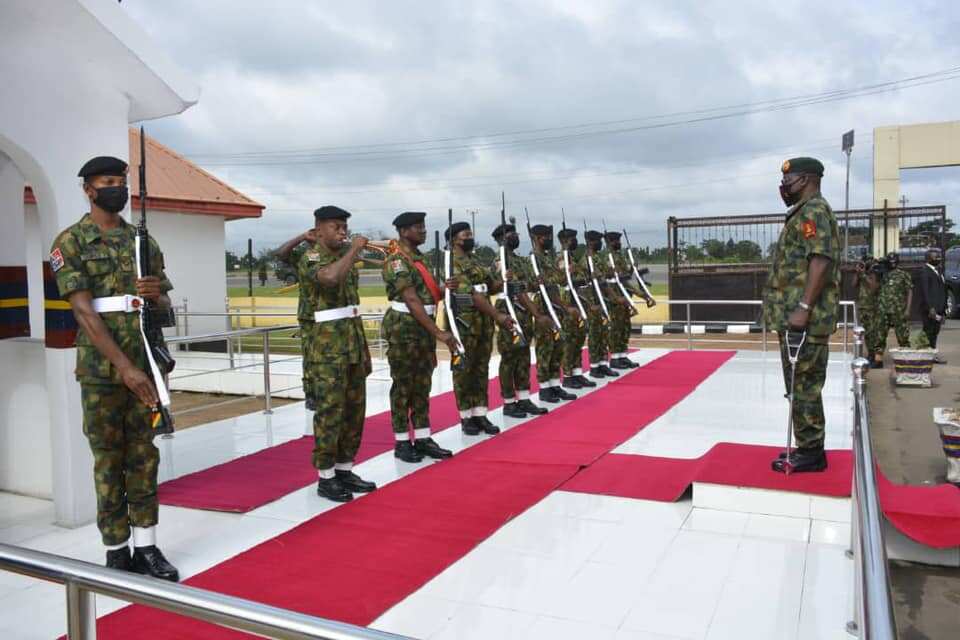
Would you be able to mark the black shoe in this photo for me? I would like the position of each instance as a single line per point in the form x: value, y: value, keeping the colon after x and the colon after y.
x: 584, y: 382
x: 404, y: 450
x: 801, y: 461
x: 486, y: 426
x: 311, y: 404
x: 547, y: 394
x: 630, y: 363
x: 571, y: 382
x: 528, y: 406
x: 617, y: 363
x: 469, y: 427
x: 354, y: 483
x: 513, y: 410
x: 607, y: 371
x: 150, y: 562
x: 119, y: 559
x: 427, y: 448
x: 564, y: 395
x: 331, y: 489
x: 595, y: 372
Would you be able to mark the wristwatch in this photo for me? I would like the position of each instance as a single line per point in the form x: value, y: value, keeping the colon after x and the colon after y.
x: 803, y: 305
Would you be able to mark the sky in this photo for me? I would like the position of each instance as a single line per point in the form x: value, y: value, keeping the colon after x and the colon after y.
x: 621, y: 111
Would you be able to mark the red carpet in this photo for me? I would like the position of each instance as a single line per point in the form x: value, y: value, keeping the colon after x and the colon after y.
x: 928, y: 515
x: 356, y: 561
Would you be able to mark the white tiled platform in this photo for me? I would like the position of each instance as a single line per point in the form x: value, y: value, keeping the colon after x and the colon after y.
x: 574, y: 565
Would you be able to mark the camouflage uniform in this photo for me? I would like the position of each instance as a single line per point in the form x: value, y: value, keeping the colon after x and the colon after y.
x: 599, y: 327
x: 549, y: 343
x: 411, y: 349
x: 115, y: 422
x: 867, y: 315
x: 619, y: 312
x: 574, y: 330
x: 515, y: 358
x: 894, y: 291
x: 305, y: 319
x: 810, y: 229
x: 470, y: 383
x: 337, y: 361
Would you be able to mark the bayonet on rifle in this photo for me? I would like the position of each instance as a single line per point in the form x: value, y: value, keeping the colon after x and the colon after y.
x: 457, y: 359
x: 518, y: 338
x: 616, y: 274
x: 638, y: 273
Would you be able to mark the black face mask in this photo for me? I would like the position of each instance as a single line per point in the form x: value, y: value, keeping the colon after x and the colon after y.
x: 112, y: 199
x: 789, y: 197
x: 615, y: 246
x: 572, y: 245
x: 513, y: 242
x: 548, y: 244
x: 468, y: 244
x: 594, y: 246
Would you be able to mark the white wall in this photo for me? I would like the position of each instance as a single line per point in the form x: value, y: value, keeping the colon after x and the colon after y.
x: 193, y: 247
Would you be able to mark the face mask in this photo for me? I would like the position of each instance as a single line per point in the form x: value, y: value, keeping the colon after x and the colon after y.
x: 468, y: 245
x: 572, y: 246
x: 111, y: 199
x: 615, y: 246
x: 789, y: 198
x: 548, y: 244
x: 513, y: 242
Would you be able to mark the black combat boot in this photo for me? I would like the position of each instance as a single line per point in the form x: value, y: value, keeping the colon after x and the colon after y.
x: 547, y: 394
x: 607, y: 371
x: 404, y: 450
x: 513, y: 410
x: 150, y: 562
x: 571, y: 382
x: 486, y: 426
x: 469, y: 427
x: 427, y: 448
x: 354, y: 483
x: 119, y: 559
x: 331, y: 489
x: 597, y: 372
x: 800, y: 461
x: 564, y: 395
x: 630, y: 364
x: 528, y: 406
x: 584, y: 382
x: 617, y: 363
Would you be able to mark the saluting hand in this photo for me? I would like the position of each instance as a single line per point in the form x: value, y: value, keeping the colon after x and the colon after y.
x: 310, y: 235
x: 148, y: 287
x: 138, y: 382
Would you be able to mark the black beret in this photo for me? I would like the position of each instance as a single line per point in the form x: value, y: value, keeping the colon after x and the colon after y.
x: 503, y: 230
x: 409, y: 218
x: 541, y: 230
x: 456, y: 228
x: 567, y: 233
x: 613, y: 235
x: 593, y: 236
x: 103, y: 166
x: 802, y: 165
x: 330, y: 212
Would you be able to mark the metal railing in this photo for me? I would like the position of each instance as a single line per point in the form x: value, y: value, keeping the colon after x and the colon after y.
x: 873, y: 605
x: 82, y: 580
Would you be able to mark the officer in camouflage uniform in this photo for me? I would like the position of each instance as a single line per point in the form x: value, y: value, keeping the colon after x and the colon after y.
x: 338, y: 359
x: 471, y: 285
x: 896, y: 297
x: 550, y: 341
x: 412, y: 336
x: 514, y: 354
x: 622, y: 309
x: 291, y: 252
x: 599, y: 324
x: 802, y: 294
x: 95, y: 265
x: 574, y: 326
x: 867, y: 283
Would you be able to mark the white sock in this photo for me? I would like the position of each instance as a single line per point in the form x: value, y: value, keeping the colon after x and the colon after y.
x: 523, y: 394
x: 606, y: 363
x: 578, y: 371
x: 555, y: 382
x: 144, y: 536
x: 326, y: 474
x: 479, y: 412
x: 401, y: 437
x: 464, y: 414
x: 421, y: 434
x: 510, y: 400
x: 546, y: 384
x: 114, y: 547
x: 343, y: 466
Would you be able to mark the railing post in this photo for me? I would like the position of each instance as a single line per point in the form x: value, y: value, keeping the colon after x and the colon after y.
x: 186, y: 318
x: 81, y: 613
x: 845, y: 329
x: 763, y: 328
x: 689, y: 330
x: 229, y: 322
x: 266, y: 372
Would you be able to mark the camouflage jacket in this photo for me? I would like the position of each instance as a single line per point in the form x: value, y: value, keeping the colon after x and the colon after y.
x: 399, y: 273
x: 580, y: 276
x: 473, y: 277
x: 338, y: 341
x: 522, y: 281
x: 866, y: 299
x: 84, y: 258
x: 810, y: 229
x: 601, y: 262
x: 553, y: 277
x: 894, y: 291
x: 600, y: 269
x: 304, y: 305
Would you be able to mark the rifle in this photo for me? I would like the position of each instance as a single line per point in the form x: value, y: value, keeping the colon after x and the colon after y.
x: 518, y: 337
x: 547, y: 302
x: 458, y: 359
x: 616, y: 275
x: 566, y: 268
x: 593, y: 277
x: 639, y: 273
x: 153, y: 318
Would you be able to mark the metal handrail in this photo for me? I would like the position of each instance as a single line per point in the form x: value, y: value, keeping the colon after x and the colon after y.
x: 873, y: 603
x: 82, y: 580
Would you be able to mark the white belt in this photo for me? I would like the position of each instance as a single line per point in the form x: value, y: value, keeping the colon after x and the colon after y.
x: 397, y: 305
x: 612, y: 280
x: 480, y: 288
x: 328, y: 315
x: 125, y: 304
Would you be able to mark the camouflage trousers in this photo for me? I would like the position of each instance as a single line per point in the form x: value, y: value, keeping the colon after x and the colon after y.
x: 411, y: 352
x: 574, y: 336
x: 869, y: 320
x: 306, y: 346
x: 514, y: 359
x: 341, y: 396
x: 809, y: 424
x: 549, y: 353
x: 470, y: 382
x: 619, y: 327
x: 896, y: 320
x: 598, y: 334
x: 125, y: 461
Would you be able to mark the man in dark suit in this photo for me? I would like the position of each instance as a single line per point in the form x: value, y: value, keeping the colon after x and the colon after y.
x: 932, y: 296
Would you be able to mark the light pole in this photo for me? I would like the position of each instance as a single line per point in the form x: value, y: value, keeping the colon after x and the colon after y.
x: 847, y: 145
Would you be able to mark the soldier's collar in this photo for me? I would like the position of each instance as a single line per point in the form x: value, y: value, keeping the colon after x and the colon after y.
x: 792, y: 210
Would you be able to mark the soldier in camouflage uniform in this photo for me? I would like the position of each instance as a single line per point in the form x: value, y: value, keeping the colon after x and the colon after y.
x: 514, y: 354
x: 896, y: 297
x: 802, y: 294
x: 95, y: 266
x: 471, y: 285
x: 338, y: 359
x: 574, y: 326
x: 291, y: 252
x: 598, y: 333
x: 412, y: 336
x: 867, y: 283
x: 620, y: 270
x: 550, y: 340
